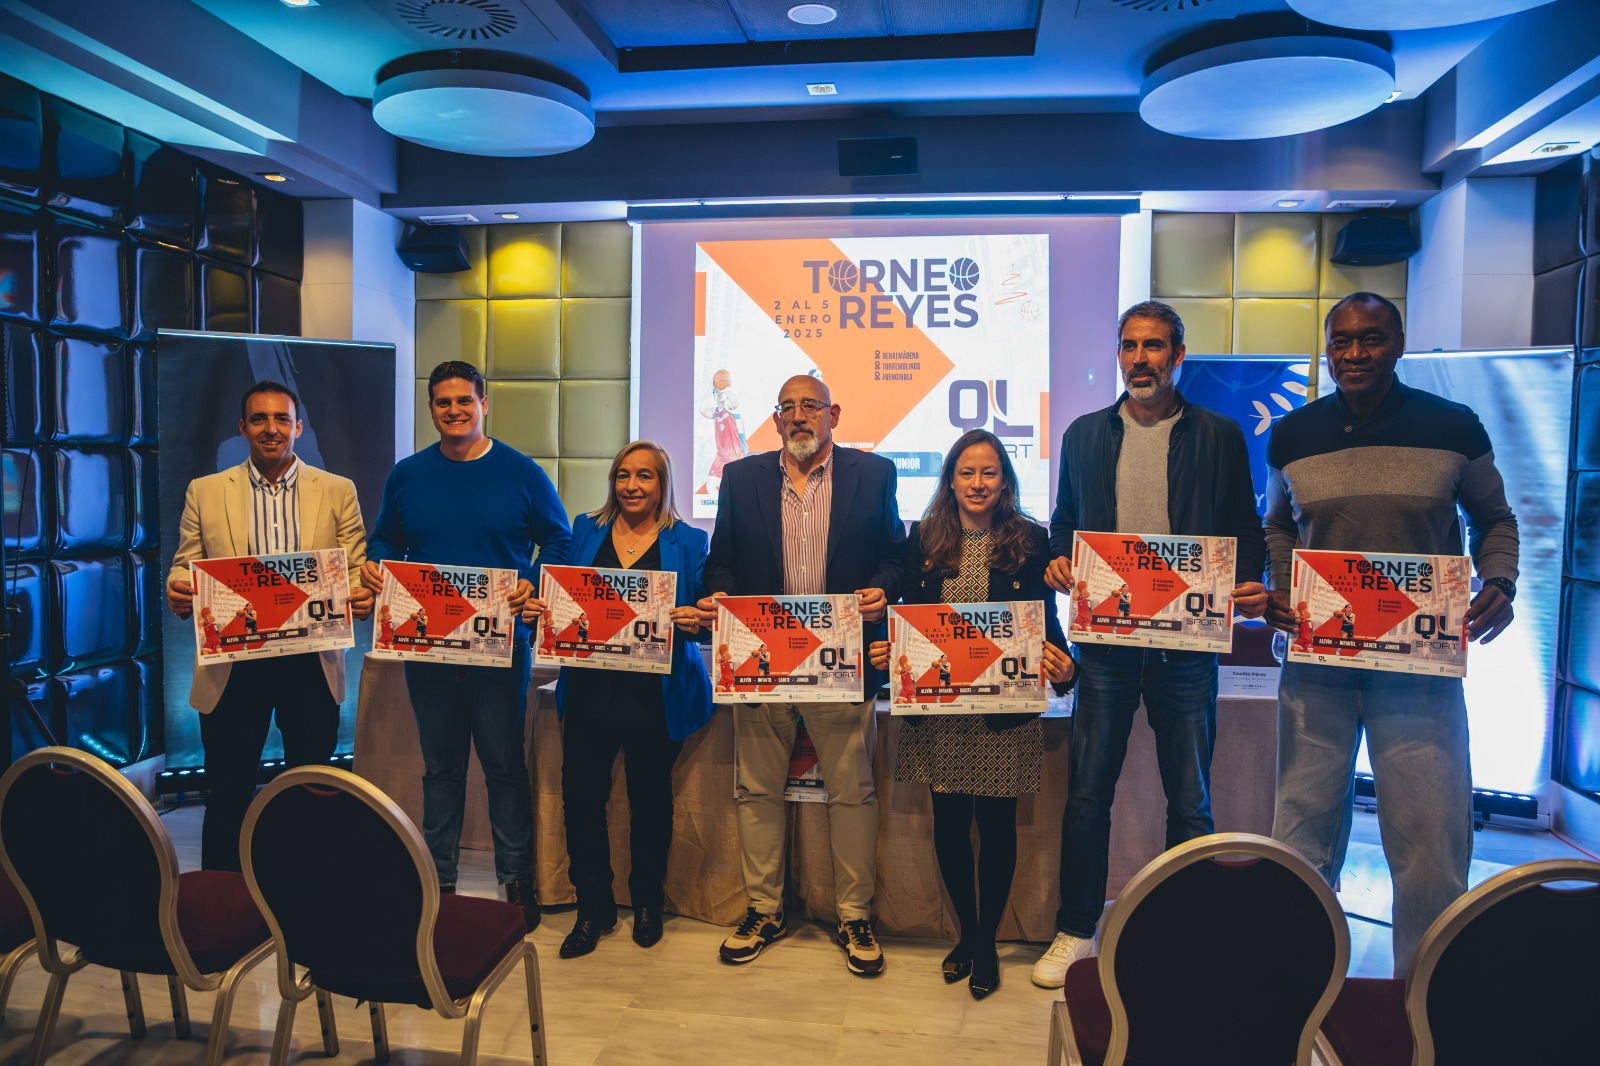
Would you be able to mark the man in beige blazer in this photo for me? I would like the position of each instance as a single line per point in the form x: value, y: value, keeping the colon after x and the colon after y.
x: 269, y: 504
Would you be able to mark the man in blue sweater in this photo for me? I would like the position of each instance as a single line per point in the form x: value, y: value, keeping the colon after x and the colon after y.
x: 1377, y: 466
x: 472, y: 501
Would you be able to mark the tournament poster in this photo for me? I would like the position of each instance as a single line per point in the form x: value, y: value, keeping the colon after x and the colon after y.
x: 1153, y: 591
x: 261, y: 606
x: 445, y: 614
x: 918, y: 338
x: 606, y: 619
x: 1401, y: 613
x: 786, y: 649
x: 967, y: 658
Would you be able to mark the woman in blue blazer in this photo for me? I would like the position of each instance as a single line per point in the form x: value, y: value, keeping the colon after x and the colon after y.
x: 974, y: 545
x: 646, y: 716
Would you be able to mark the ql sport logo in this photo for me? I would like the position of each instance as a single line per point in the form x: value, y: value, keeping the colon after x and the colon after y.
x: 888, y: 293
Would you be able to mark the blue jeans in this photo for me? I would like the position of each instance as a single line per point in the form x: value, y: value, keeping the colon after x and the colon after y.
x: 458, y: 708
x: 1416, y: 730
x: 1180, y: 697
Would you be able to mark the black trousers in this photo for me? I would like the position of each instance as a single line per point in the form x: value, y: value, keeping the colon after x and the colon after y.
x: 293, y: 689
x: 589, y: 746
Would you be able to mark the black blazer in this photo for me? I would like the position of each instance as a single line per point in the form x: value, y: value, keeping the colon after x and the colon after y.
x: 927, y: 586
x: 865, y: 533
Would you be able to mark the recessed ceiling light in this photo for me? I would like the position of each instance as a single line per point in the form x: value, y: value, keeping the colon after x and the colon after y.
x: 822, y: 88
x: 509, y: 216
x: 227, y: 181
x: 273, y: 175
x: 812, y: 14
x: 1288, y: 203
x: 298, y: 3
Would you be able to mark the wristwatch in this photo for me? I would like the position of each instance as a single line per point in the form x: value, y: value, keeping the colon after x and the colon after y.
x: 1504, y: 584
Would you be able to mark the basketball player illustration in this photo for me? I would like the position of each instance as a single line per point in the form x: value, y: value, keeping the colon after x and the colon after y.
x: 1082, y: 609
x: 1124, y: 602
x: 721, y: 405
x: 582, y: 622
x: 1302, y: 617
x: 212, y: 641
x: 944, y: 670
x: 763, y: 661
x: 248, y: 613
x: 385, y: 627
x: 547, y: 637
x: 724, y: 669
x: 420, y: 617
x: 1347, y: 622
x: 908, y: 687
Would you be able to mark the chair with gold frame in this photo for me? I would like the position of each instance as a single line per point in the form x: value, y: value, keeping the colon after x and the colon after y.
x: 352, y: 896
x: 1520, y: 927
x: 96, y: 869
x: 16, y: 937
x: 1229, y: 948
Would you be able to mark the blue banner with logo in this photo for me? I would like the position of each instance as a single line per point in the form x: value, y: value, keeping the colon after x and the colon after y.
x: 1254, y: 392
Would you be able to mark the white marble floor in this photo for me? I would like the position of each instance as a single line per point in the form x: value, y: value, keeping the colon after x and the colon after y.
x: 672, y: 1004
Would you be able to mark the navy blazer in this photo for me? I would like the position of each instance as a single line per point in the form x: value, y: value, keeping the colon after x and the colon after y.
x: 687, y: 689
x: 865, y: 533
x: 927, y: 586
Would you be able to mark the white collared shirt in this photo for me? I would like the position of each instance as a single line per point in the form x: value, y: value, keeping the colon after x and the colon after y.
x: 274, y: 511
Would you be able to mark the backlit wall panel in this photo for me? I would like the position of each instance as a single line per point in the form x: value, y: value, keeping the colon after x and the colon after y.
x: 107, y: 235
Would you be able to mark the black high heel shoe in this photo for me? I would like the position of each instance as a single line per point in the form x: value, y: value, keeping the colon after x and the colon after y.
x: 985, y: 973
x: 958, y: 964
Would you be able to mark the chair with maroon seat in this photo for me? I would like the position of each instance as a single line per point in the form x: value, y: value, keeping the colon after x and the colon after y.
x: 1229, y: 948
x: 1521, y: 925
x: 351, y: 895
x: 97, y: 870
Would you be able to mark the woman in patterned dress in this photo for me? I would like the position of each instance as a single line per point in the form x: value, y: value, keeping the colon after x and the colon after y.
x: 975, y: 545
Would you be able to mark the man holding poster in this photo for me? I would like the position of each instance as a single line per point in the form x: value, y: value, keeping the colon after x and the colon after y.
x: 472, y: 501
x: 270, y: 504
x: 1376, y: 466
x: 813, y: 518
x: 1151, y: 463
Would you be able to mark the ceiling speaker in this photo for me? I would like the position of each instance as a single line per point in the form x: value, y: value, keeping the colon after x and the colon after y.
x: 1374, y: 240
x: 434, y: 250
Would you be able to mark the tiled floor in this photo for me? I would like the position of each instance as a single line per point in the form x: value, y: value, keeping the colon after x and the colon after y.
x: 672, y: 1004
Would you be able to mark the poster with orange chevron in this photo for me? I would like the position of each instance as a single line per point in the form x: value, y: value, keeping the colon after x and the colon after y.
x: 260, y: 606
x: 967, y: 658
x: 1371, y: 611
x: 918, y: 339
x: 1153, y: 591
x: 786, y: 649
x: 444, y: 614
x: 606, y: 619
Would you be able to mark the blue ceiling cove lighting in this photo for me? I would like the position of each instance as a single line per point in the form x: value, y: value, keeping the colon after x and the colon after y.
x: 483, y: 112
x: 1274, y: 87
x: 1407, y: 14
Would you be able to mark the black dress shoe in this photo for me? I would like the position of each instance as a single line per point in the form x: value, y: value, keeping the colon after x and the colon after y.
x: 958, y: 964
x: 647, y: 926
x: 985, y: 974
x: 521, y: 893
x: 584, y: 936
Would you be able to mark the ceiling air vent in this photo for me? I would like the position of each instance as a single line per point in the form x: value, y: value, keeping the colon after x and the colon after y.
x: 1158, y: 5
x: 458, y: 20
x: 1358, y: 205
x: 448, y: 220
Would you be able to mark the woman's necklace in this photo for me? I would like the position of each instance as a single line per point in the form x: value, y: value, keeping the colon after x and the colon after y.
x: 629, y: 544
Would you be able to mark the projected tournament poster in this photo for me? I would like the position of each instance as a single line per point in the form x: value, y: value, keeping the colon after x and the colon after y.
x: 786, y: 649
x: 1402, y: 613
x: 606, y: 619
x: 260, y: 606
x: 918, y: 339
x: 1153, y: 591
x: 444, y: 614
x: 967, y: 658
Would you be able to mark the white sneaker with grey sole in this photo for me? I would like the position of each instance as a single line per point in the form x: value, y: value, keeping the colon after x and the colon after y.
x: 1051, y: 969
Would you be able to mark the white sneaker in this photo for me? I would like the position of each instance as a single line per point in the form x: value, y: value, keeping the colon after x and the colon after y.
x: 1051, y: 969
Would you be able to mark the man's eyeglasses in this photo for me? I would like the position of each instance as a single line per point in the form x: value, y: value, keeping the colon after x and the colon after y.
x: 786, y: 409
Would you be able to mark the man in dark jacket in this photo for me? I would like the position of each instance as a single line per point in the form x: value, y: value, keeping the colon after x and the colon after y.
x: 1111, y: 481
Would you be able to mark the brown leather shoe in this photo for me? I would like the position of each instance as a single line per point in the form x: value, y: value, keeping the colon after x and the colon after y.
x: 521, y: 893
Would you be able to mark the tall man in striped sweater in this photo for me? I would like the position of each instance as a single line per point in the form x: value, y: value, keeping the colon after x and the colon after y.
x: 1377, y: 466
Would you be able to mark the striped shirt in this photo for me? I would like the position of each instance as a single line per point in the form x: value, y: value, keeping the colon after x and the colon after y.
x: 274, y: 511
x: 805, y: 528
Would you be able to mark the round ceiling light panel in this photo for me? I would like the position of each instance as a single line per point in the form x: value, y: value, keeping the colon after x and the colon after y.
x: 483, y: 112
x: 812, y: 14
x: 1275, y: 87
x: 1407, y: 14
